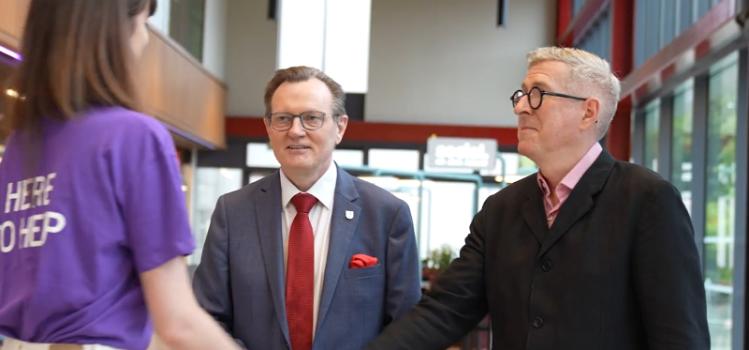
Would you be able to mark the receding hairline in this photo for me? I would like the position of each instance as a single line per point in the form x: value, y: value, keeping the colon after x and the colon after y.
x: 309, y: 79
x: 302, y: 74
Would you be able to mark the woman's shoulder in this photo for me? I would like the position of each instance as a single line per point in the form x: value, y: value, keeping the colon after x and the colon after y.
x: 120, y: 117
x: 122, y: 121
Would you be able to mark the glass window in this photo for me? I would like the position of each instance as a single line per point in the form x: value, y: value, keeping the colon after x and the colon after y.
x: 186, y: 21
x: 685, y: 13
x: 394, y: 159
x: 260, y: 155
x: 348, y: 157
x: 720, y: 199
x: 257, y: 175
x: 598, y: 39
x: 405, y: 189
x: 652, y: 27
x: 516, y: 167
x: 703, y: 6
x: 485, y: 191
x: 652, y: 128
x: 668, y: 21
x: 210, y: 183
x: 681, y: 167
x: 639, y: 42
x: 577, y: 5
x: 447, y: 214
x: 447, y: 208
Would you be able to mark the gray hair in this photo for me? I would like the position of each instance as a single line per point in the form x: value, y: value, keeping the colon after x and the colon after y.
x: 588, y: 72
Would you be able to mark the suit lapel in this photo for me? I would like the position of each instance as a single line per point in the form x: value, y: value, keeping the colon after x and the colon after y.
x: 581, y: 200
x: 268, y: 213
x: 342, y: 229
x: 533, y: 212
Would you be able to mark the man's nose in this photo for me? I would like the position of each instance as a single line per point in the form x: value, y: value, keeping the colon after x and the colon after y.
x: 296, y: 127
x: 521, y: 106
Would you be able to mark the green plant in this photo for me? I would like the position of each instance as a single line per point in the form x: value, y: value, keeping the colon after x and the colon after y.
x: 440, y: 258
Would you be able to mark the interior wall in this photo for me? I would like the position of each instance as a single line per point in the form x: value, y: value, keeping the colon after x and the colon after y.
x: 160, y: 19
x: 214, y: 37
x: 447, y: 61
x: 250, y: 55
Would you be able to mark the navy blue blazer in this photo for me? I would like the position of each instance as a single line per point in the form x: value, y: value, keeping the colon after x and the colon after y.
x: 240, y: 280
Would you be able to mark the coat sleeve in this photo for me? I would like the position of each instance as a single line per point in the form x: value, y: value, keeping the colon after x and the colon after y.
x: 403, y: 276
x: 455, y: 304
x: 667, y: 274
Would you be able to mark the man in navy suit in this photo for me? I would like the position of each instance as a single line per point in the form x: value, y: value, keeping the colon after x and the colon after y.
x: 309, y: 257
x: 588, y: 253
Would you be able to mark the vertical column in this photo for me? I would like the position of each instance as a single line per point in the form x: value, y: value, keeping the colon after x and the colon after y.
x: 564, y: 20
x: 638, y: 137
x: 622, y: 18
x: 740, y: 308
x: 699, y: 158
x: 665, y: 140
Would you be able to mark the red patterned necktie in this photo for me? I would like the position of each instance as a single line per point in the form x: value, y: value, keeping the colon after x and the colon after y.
x: 300, y: 274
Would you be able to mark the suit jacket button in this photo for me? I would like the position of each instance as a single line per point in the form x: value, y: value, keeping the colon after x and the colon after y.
x: 546, y: 265
x: 538, y: 322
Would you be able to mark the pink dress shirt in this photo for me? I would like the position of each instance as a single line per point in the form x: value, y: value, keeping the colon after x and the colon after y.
x: 564, y: 188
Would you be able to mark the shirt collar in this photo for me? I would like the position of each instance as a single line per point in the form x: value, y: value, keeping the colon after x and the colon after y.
x: 323, y: 189
x: 573, y: 176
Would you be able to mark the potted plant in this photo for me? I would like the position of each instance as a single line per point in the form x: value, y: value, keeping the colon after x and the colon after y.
x: 436, y: 262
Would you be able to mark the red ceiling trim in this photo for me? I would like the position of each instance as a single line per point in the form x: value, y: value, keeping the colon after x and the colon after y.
x: 384, y: 133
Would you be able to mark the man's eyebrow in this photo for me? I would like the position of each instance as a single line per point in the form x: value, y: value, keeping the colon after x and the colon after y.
x: 539, y: 84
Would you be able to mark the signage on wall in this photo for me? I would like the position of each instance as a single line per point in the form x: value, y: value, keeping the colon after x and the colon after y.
x: 464, y: 153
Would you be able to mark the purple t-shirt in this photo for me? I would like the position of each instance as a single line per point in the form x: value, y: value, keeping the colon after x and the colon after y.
x: 100, y: 203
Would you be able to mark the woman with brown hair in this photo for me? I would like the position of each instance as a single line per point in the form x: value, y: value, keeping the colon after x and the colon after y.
x: 93, y: 227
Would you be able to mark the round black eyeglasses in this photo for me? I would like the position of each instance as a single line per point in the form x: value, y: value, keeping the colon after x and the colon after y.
x: 536, y: 97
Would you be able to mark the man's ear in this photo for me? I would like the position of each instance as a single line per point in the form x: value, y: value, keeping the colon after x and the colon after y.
x: 341, y: 123
x: 592, y: 113
x: 266, y: 122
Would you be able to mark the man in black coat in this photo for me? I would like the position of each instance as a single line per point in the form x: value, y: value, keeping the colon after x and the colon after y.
x: 589, y: 253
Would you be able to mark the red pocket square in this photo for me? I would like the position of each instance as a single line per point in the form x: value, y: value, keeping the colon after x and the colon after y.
x: 359, y: 261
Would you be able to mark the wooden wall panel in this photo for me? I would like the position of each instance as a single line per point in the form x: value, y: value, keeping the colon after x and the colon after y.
x: 174, y: 87
x: 12, y: 18
x: 178, y: 91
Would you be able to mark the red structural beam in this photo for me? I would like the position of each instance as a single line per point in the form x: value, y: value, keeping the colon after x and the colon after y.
x: 622, y: 52
x: 570, y: 31
x: 588, y: 14
x: 564, y: 18
x: 386, y: 133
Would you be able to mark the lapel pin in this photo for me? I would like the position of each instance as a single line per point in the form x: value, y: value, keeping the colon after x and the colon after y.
x: 349, y: 214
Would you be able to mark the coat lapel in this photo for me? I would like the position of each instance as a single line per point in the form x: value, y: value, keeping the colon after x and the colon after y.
x: 342, y: 230
x: 581, y: 200
x: 533, y: 212
x: 268, y: 213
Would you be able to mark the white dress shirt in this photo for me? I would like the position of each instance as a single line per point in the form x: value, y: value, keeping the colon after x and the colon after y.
x: 319, y: 217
